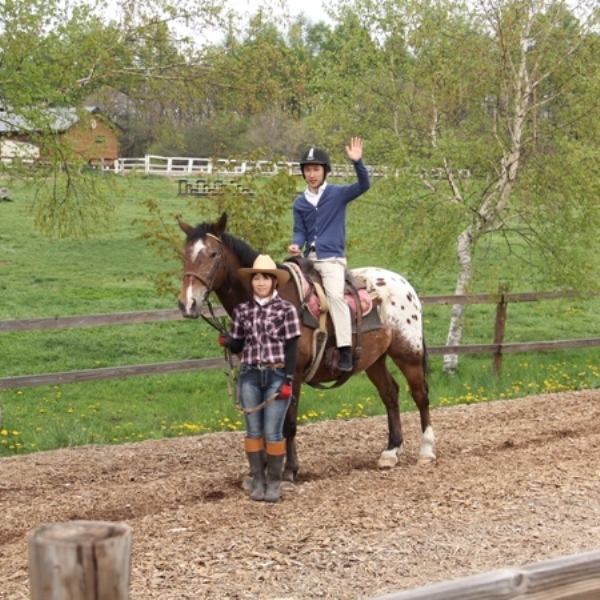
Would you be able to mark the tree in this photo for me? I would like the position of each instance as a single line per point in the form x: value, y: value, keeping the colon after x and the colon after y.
x: 56, y: 54
x: 489, y: 113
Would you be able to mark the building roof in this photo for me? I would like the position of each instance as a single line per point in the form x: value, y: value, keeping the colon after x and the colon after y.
x: 57, y: 119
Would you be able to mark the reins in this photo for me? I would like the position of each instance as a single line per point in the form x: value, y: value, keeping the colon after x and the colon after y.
x: 216, y: 323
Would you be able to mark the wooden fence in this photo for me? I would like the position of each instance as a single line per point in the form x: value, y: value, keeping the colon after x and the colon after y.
x: 92, y: 559
x: 228, y: 167
x: 223, y: 167
x: 575, y: 577
x: 496, y: 349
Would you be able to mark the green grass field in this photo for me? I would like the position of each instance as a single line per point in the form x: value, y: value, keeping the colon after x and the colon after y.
x: 111, y: 272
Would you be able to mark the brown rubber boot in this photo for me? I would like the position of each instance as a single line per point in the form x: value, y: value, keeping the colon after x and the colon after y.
x: 275, y: 456
x: 255, y: 454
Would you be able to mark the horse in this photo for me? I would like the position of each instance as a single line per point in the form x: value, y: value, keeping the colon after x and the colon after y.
x: 211, y: 259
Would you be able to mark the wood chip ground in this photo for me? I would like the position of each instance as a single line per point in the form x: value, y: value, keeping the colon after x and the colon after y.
x: 515, y: 482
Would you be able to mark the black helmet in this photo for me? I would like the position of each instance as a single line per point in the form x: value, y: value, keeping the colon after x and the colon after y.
x: 315, y: 156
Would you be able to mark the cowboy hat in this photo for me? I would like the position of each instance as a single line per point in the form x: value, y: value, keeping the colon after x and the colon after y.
x: 265, y: 264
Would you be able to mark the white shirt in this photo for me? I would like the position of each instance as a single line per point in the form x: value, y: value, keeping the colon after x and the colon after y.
x: 314, y: 198
x: 265, y: 301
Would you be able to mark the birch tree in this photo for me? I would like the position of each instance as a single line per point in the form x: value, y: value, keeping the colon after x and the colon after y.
x: 489, y: 113
x: 538, y: 45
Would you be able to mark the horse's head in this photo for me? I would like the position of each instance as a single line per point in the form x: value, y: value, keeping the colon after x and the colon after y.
x: 203, y: 264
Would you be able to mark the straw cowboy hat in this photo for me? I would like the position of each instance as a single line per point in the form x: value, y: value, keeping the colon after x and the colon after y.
x: 264, y: 264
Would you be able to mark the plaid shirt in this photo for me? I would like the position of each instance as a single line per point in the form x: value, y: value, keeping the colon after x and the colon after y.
x: 264, y: 329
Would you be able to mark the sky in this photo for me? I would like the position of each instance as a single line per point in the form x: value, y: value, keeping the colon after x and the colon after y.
x: 313, y: 9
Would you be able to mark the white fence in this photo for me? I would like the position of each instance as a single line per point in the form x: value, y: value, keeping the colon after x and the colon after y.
x: 183, y: 166
x: 180, y: 166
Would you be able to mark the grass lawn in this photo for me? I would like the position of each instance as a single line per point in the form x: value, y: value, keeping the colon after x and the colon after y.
x: 112, y: 272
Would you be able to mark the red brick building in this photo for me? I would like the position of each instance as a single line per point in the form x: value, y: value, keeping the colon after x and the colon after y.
x: 88, y: 134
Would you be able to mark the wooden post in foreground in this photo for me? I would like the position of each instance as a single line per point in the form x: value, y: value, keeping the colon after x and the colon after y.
x: 80, y: 560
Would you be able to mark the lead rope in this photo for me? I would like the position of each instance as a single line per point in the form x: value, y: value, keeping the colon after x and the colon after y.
x: 233, y: 374
x: 249, y: 411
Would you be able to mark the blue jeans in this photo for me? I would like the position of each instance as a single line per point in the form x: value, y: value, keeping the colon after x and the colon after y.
x: 255, y: 386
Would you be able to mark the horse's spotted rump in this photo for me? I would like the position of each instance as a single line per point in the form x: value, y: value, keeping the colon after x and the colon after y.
x: 403, y: 316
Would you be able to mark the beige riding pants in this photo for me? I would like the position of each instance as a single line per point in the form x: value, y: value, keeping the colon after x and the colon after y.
x: 332, y: 273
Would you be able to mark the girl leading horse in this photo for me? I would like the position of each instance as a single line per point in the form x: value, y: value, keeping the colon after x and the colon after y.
x: 212, y: 259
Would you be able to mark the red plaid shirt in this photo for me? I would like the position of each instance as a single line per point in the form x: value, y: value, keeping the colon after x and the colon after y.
x: 264, y: 329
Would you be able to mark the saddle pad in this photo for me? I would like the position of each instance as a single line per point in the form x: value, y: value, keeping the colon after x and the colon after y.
x: 366, y: 303
x: 370, y: 322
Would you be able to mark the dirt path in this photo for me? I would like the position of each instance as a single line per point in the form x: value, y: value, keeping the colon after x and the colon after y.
x: 515, y: 482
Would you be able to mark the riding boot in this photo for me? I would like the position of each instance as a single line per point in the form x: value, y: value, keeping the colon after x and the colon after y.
x: 255, y: 454
x: 345, y: 362
x: 275, y: 456
x: 247, y: 481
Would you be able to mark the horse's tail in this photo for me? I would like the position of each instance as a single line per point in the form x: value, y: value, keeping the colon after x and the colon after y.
x: 425, y: 360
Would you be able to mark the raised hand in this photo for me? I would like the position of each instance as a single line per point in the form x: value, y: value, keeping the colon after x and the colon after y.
x: 354, y: 149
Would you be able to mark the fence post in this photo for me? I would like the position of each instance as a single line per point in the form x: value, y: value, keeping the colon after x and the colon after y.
x: 81, y: 560
x: 499, y: 329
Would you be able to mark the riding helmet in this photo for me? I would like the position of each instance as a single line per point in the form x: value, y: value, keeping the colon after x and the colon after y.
x: 315, y: 156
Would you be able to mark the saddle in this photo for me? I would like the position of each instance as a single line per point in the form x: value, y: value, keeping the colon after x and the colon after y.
x: 354, y: 291
x: 314, y: 314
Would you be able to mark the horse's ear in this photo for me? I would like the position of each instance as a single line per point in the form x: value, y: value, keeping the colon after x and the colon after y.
x: 187, y: 229
x: 221, y: 224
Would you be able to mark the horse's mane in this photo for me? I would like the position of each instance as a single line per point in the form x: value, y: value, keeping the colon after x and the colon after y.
x: 245, y: 253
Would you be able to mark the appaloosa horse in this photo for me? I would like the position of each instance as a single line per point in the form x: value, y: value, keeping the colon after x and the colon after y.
x: 211, y: 262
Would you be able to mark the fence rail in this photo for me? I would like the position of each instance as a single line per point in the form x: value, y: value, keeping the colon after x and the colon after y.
x: 183, y: 165
x: 496, y: 349
x: 575, y: 577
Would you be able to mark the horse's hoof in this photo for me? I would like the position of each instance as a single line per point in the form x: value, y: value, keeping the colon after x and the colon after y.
x: 387, y: 461
x: 287, y: 486
x: 288, y: 476
x: 426, y: 459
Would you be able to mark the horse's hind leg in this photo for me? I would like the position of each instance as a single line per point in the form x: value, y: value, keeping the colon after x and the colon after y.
x: 387, y: 387
x: 419, y: 390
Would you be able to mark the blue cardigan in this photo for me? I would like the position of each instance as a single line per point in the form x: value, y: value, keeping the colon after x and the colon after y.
x: 324, y: 225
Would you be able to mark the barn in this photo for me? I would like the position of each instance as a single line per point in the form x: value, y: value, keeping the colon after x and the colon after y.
x: 89, y: 134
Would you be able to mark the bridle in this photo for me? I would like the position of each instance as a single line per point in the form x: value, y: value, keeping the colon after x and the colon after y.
x: 213, y: 320
x: 213, y: 270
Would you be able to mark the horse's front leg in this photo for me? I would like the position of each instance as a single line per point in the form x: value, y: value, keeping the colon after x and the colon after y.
x: 289, y: 432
